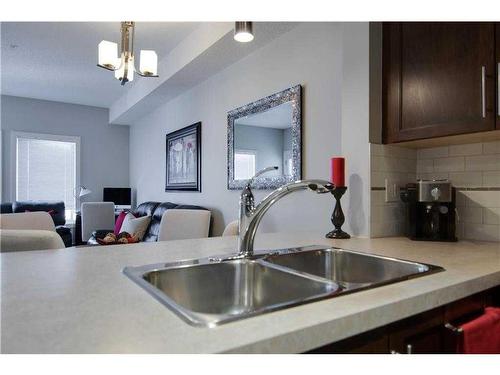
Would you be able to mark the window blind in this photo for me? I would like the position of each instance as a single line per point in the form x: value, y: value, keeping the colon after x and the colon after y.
x: 46, y: 170
x: 244, y: 164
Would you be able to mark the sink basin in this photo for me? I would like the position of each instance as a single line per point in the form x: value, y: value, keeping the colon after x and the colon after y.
x: 351, y: 270
x: 210, y: 293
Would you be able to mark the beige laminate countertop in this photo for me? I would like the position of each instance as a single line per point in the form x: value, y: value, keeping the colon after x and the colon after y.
x: 77, y: 300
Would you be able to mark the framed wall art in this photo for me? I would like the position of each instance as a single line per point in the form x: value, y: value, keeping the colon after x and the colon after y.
x: 183, y: 153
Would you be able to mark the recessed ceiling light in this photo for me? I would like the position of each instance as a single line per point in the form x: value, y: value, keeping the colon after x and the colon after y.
x: 243, y: 32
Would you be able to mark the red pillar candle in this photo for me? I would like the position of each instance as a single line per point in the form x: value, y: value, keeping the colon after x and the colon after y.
x: 337, y: 167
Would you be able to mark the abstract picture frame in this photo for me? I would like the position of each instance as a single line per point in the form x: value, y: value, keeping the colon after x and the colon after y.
x: 183, y: 159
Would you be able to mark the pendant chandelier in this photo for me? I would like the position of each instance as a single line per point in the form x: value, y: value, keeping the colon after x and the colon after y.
x: 123, y: 66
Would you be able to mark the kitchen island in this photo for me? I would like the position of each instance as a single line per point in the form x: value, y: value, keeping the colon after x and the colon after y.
x: 77, y: 300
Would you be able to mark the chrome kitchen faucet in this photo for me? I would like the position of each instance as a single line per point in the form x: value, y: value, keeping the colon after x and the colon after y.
x: 251, y: 215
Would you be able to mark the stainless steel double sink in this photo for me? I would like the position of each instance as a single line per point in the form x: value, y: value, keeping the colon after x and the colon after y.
x: 211, y: 291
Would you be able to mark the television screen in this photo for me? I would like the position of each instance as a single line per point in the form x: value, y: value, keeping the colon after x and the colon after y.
x: 119, y: 196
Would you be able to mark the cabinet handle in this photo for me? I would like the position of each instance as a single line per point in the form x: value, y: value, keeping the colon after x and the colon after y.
x: 409, y: 350
x: 483, y: 91
x: 498, y: 88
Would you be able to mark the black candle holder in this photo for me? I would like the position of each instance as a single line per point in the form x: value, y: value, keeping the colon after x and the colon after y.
x: 338, y: 217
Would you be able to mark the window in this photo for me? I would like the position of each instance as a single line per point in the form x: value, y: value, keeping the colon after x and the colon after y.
x: 288, y: 162
x: 244, y: 164
x: 46, y: 168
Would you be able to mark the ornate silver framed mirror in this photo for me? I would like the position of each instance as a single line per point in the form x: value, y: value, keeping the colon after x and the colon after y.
x: 267, y: 132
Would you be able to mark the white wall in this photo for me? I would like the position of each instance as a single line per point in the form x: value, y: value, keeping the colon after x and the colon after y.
x: 311, y: 55
x: 355, y: 125
x: 104, y: 148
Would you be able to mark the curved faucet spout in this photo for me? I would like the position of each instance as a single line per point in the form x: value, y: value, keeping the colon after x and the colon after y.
x: 259, y: 173
x: 251, y: 216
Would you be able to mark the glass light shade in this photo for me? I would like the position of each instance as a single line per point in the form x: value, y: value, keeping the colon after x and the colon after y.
x: 243, y: 32
x: 130, y: 73
x: 149, y: 63
x: 107, y: 54
x: 243, y: 37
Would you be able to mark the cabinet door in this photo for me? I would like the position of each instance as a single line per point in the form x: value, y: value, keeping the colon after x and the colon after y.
x: 421, y: 334
x: 439, y: 79
x: 372, y: 342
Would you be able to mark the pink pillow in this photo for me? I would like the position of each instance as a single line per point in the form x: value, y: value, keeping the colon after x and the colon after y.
x: 119, y: 221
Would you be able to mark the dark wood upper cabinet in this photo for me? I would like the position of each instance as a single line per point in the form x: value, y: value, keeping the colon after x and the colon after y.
x: 439, y: 78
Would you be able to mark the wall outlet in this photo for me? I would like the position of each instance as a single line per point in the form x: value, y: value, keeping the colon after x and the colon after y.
x: 391, y: 190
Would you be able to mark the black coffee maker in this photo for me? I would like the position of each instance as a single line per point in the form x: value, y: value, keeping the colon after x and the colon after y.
x: 430, y: 210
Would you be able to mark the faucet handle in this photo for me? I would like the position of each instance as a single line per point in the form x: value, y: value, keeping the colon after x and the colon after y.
x: 259, y: 173
x: 321, y: 187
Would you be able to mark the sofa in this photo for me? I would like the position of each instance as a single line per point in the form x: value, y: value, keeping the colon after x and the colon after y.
x: 156, y: 210
x: 153, y: 209
x: 56, y: 209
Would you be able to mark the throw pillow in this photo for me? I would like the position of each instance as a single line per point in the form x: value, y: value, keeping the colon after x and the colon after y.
x: 119, y: 222
x: 135, y: 226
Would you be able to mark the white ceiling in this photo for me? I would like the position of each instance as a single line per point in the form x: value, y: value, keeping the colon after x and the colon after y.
x: 57, y: 60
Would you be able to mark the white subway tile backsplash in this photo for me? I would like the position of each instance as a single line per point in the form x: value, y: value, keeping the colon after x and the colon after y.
x: 378, y: 198
x: 489, y: 198
x: 376, y: 149
x: 491, y: 178
x: 460, y: 199
x: 394, y: 151
x: 491, y: 215
x: 411, y: 177
x: 433, y: 176
x: 475, y: 165
x: 460, y: 229
x: 483, y: 163
x: 425, y: 166
x: 388, y: 213
x: 491, y: 147
x: 392, y: 164
x: 482, y: 232
x: 466, y: 179
x: 469, y: 149
x: 387, y: 218
x: 451, y: 164
x: 378, y: 178
x: 431, y: 153
x: 377, y: 163
x: 470, y: 214
x: 406, y: 165
x: 381, y: 229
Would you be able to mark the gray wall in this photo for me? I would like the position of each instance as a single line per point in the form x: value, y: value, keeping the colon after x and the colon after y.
x: 267, y: 142
x: 104, y: 152
x: 355, y: 126
x: 311, y: 55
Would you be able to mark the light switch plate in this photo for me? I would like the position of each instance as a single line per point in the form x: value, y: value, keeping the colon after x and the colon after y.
x: 391, y: 190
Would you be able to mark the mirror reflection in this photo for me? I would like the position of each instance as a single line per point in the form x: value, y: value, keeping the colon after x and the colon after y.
x: 262, y: 134
x: 264, y: 139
